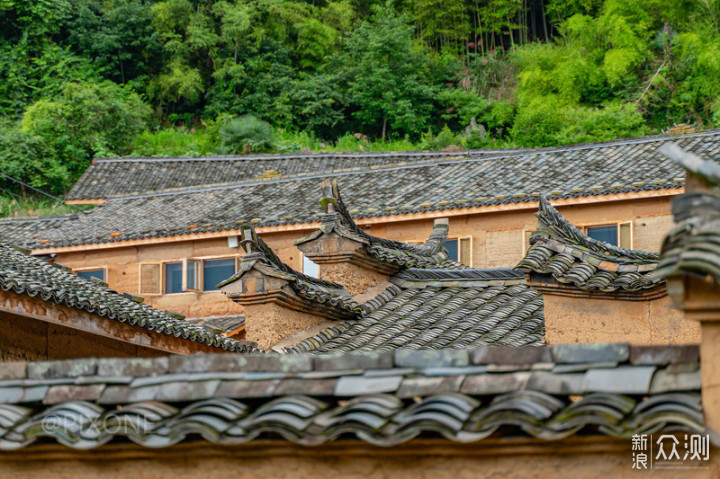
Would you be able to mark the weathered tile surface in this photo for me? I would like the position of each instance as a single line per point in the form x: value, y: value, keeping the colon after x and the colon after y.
x: 635, y: 166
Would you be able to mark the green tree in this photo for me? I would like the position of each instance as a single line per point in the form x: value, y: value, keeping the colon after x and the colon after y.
x: 118, y: 36
x: 29, y: 159
x: 87, y: 120
x: 385, y: 75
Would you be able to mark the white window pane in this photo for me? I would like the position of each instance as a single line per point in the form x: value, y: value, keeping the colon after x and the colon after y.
x: 310, y: 268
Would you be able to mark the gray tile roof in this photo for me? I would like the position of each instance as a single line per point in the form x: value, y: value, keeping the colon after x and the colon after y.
x: 693, y: 245
x: 379, y: 398
x: 219, y: 324
x: 23, y: 231
x: 114, y: 177
x: 437, y: 309
x: 573, y: 259
x: 579, y: 171
x: 26, y: 275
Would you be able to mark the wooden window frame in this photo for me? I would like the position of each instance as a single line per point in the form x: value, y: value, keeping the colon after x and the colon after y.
x: 456, y: 238
x: 201, y: 273
x: 163, y: 278
x: 198, y: 265
x: 199, y: 260
x: 459, y: 240
x: 584, y: 228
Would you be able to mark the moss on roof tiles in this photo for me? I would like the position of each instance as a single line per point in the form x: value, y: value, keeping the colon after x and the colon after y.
x: 437, y: 309
x: 165, y: 214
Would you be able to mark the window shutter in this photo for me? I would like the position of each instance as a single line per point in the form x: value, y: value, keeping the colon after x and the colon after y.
x: 625, y: 235
x: 150, y: 278
x: 466, y: 251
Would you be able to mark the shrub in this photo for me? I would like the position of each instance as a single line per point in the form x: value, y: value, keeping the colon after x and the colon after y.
x: 246, y: 134
x: 28, y: 159
x: 177, y: 142
x: 443, y: 139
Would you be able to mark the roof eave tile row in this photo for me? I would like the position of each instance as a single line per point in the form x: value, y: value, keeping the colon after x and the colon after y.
x: 470, y: 394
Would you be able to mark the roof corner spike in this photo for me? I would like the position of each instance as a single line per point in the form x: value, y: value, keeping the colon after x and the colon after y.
x: 331, y: 195
x: 544, y: 203
x: 442, y: 222
x: 439, y: 235
x: 248, y: 238
x: 707, y: 170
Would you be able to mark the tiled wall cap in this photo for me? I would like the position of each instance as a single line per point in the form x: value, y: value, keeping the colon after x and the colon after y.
x: 431, y: 358
x: 585, y: 353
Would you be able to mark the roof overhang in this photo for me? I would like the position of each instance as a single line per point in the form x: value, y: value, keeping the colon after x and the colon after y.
x: 396, y: 218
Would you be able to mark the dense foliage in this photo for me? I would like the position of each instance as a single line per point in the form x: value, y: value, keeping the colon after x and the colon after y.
x: 87, y: 78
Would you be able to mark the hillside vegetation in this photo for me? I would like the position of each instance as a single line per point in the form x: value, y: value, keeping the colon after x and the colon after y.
x: 96, y: 78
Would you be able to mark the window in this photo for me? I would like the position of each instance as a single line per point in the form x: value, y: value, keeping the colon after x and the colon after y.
x: 216, y: 271
x: 460, y: 249
x: 173, y: 278
x: 607, y: 233
x: 191, y: 275
x: 619, y: 234
x: 452, y: 248
x: 310, y: 268
x: 92, y: 273
x: 188, y: 275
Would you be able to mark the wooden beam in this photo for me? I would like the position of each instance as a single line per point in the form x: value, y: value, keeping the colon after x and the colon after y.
x: 97, y: 201
x: 500, y: 446
x: 50, y: 312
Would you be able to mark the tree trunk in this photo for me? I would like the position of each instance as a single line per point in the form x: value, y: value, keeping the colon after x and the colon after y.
x: 384, y: 128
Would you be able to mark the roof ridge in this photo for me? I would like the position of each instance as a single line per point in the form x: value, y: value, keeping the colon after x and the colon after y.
x: 22, y: 219
x: 337, y: 219
x: 467, y: 158
x: 258, y: 249
x: 432, y: 246
x: 400, y: 153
